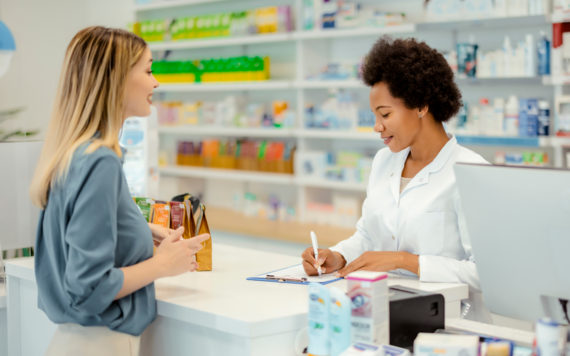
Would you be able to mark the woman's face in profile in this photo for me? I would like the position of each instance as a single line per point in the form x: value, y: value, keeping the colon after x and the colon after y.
x: 140, y: 85
x: 397, y: 125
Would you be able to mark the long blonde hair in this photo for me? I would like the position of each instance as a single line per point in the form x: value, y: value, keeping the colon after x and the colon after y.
x: 89, y: 98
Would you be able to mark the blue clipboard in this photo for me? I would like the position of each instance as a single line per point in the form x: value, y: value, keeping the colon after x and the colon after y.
x: 262, y: 279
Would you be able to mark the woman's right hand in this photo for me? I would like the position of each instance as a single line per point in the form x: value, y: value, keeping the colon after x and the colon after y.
x: 330, y: 261
x: 174, y: 255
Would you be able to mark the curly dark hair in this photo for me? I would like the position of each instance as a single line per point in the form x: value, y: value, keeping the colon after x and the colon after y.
x: 415, y: 73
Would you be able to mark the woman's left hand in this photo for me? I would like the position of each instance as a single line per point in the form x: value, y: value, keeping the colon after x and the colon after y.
x: 159, y: 233
x: 382, y: 261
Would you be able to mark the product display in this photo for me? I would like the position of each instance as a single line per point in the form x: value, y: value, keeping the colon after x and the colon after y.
x: 272, y: 208
x: 233, y: 69
x: 330, y: 14
x: 232, y: 111
x: 264, y: 156
x: 525, y: 158
x: 263, y: 20
x: 343, y: 166
x: 343, y: 212
x: 340, y: 111
x: 514, y: 118
x: 339, y: 71
x: 450, y: 10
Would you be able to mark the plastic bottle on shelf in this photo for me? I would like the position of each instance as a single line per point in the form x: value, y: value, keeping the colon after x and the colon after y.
x: 487, y: 117
x: 543, y: 50
x: 511, y: 127
x: 529, y: 60
x: 507, y: 53
x: 498, y: 116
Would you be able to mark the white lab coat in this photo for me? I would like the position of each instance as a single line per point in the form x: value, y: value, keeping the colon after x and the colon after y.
x: 426, y: 219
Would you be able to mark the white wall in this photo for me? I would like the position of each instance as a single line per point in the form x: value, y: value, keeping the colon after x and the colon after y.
x: 42, y: 30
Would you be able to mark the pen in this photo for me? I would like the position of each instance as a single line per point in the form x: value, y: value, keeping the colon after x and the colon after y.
x: 316, y: 249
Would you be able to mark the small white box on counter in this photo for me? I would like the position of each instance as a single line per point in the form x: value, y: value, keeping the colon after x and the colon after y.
x: 446, y: 345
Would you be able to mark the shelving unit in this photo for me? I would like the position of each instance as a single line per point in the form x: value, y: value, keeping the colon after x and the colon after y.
x: 225, y: 86
x: 303, y: 50
x: 227, y: 174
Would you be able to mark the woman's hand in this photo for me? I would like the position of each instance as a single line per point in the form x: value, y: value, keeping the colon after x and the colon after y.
x: 175, y: 255
x: 159, y: 233
x: 382, y: 261
x: 328, y: 260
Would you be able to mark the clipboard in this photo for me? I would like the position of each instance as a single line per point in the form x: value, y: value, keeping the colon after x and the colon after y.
x: 294, y: 271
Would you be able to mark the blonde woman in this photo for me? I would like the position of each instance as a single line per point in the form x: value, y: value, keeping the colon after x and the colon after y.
x: 94, y: 252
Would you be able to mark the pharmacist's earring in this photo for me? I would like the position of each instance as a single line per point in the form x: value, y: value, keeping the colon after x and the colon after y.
x: 421, y: 116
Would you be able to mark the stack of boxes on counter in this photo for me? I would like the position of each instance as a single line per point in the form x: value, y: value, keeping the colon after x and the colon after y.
x: 340, y: 111
x: 331, y: 14
x: 249, y: 155
x: 344, y: 166
x: 232, y: 69
x: 232, y: 111
x: 263, y: 20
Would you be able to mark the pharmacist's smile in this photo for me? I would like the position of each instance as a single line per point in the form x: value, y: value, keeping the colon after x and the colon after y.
x: 149, y: 99
x: 387, y: 139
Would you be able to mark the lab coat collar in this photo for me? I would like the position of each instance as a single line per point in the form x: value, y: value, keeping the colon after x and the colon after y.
x: 423, y: 176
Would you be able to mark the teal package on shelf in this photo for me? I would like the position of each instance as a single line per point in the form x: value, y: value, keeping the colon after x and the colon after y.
x: 498, y: 141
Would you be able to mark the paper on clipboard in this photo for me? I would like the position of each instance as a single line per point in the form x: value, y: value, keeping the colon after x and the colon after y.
x: 296, y: 271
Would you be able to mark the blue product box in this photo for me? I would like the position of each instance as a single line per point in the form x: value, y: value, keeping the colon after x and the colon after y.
x: 528, y: 118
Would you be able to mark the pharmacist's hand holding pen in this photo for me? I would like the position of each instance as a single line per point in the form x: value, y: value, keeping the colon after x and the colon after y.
x: 175, y: 254
x: 328, y: 260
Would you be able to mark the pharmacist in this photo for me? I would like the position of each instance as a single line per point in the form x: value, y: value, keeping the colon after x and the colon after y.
x: 412, y: 222
x: 94, y: 250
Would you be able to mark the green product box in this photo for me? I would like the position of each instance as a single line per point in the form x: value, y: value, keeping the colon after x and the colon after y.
x: 145, y: 30
x: 527, y: 157
x: 178, y: 29
x: 190, y: 28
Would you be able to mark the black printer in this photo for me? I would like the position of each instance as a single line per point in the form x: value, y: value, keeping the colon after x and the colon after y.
x: 412, y: 312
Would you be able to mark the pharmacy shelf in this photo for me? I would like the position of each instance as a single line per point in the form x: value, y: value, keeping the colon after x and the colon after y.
x: 3, y: 298
x: 329, y: 184
x: 220, y: 42
x: 559, y: 17
x: 330, y: 84
x: 231, y: 221
x: 337, y: 134
x: 164, y: 4
x: 558, y: 80
x: 354, y: 32
x: 504, y: 141
x: 227, y: 174
x: 225, y: 131
x: 486, y: 23
x: 225, y: 86
x: 501, y: 81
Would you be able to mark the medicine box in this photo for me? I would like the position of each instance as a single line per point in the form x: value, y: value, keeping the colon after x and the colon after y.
x: 370, y: 306
x: 446, y: 345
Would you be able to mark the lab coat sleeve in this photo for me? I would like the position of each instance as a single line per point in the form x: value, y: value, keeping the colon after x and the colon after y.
x: 444, y: 269
x: 357, y: 244
x: 91, y: 280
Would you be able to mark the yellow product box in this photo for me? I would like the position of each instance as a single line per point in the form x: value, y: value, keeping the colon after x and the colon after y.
x: 176, y: 78
x: 190, y: 113
x: 266, y: 19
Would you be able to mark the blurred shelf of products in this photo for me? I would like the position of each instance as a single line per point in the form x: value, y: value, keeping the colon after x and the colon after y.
x: 273, y: 19
x: 248, y: 155
x: 232, y: 111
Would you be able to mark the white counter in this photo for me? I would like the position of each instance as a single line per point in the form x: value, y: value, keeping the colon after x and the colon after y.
x: 3, y: 321
x: 209, y: 313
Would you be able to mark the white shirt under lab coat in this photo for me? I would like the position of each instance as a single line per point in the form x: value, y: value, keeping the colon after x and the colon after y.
x: 426, y: 219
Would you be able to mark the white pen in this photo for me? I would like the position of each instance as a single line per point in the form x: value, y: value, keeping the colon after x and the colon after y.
x: 316, y: 249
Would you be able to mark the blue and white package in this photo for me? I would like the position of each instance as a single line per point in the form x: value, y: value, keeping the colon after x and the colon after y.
x: 528, y: 118
x: 543, y: 119
x: 339, y: 320
x: 319, y: 306
x: 543, y: 49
